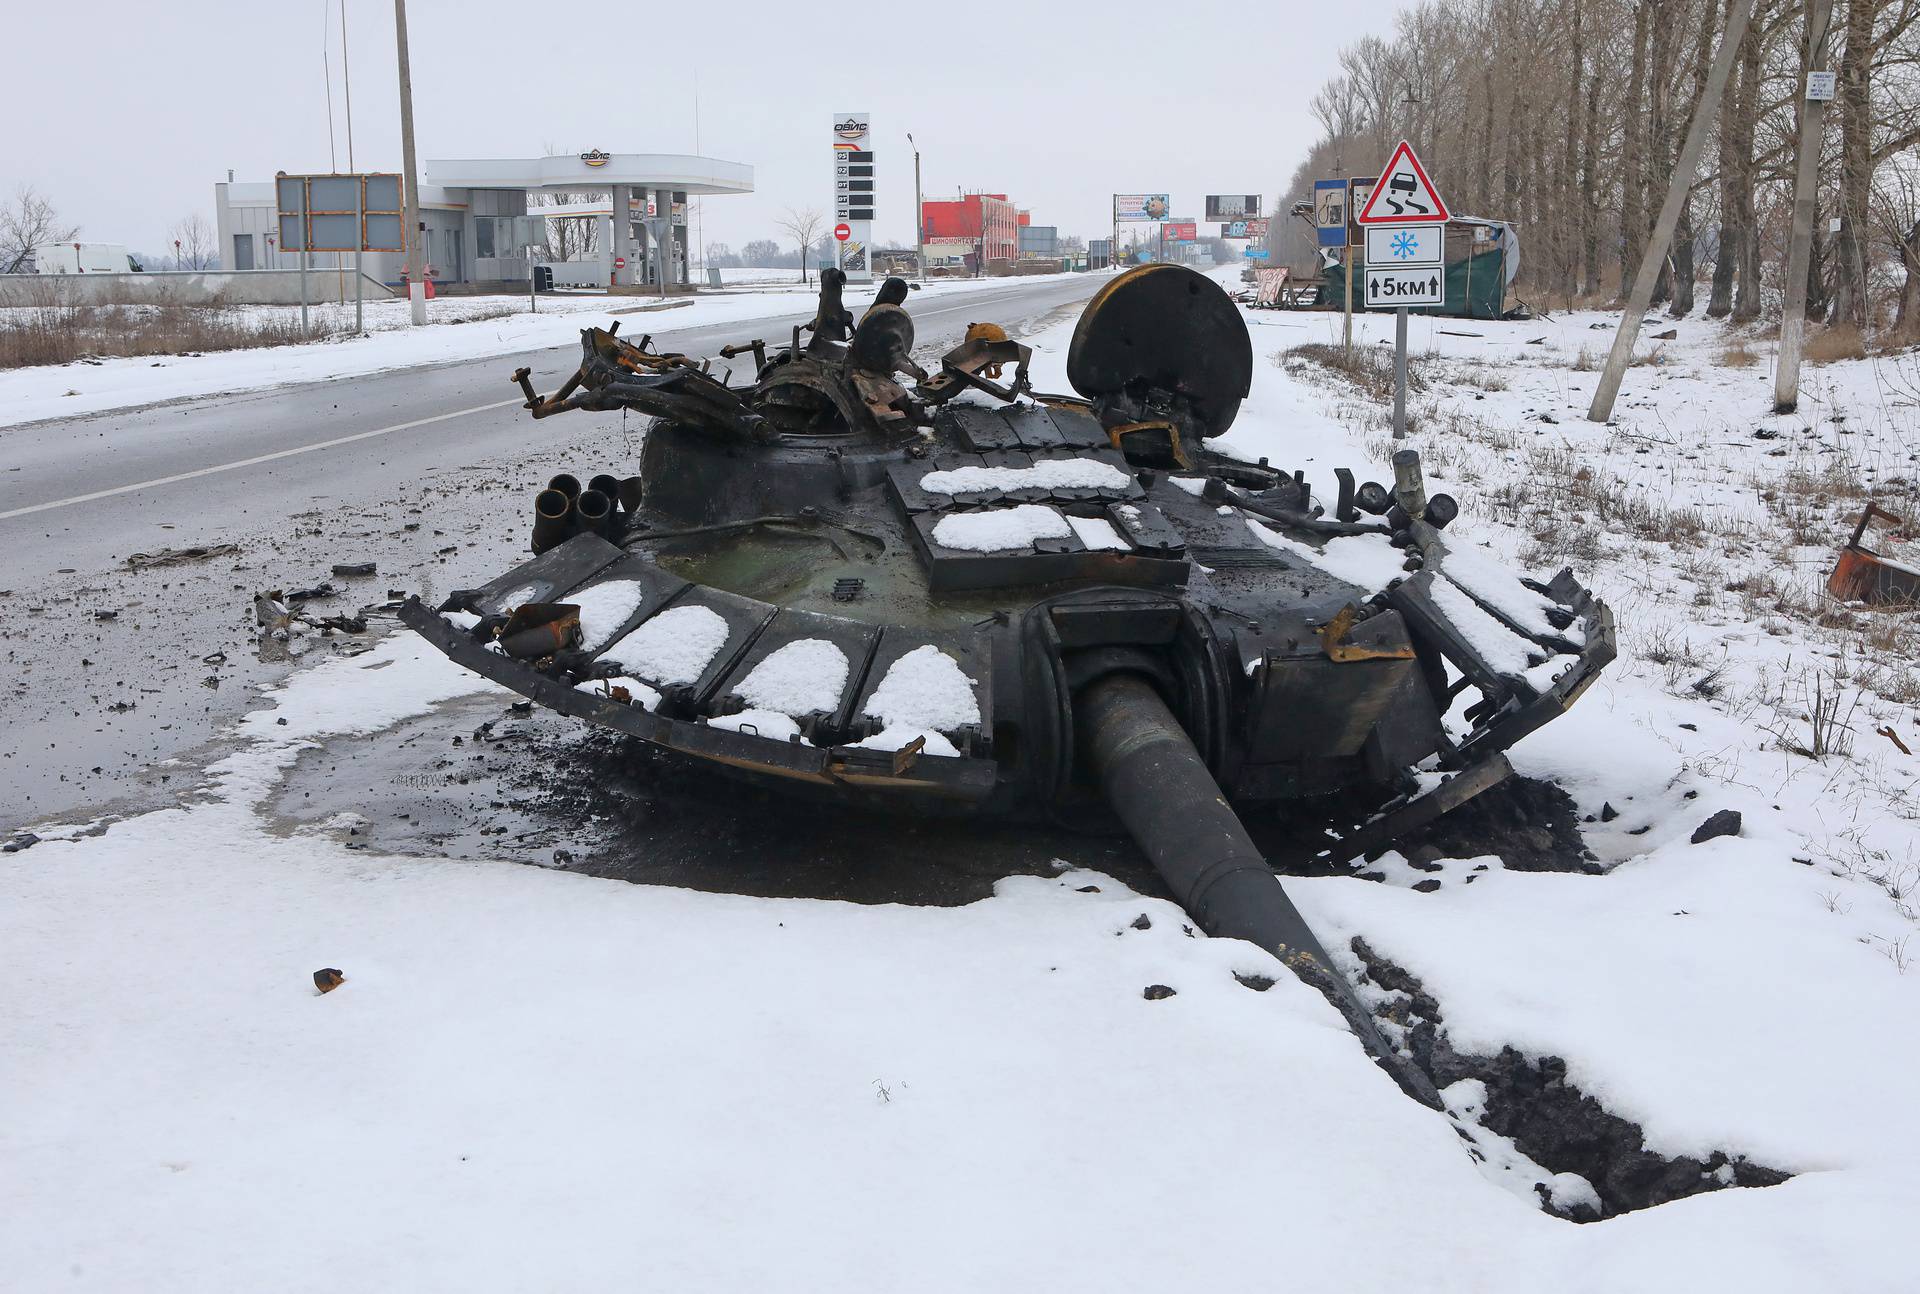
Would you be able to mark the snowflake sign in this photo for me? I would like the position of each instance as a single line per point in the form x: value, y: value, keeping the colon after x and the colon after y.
x: 1404, y: 245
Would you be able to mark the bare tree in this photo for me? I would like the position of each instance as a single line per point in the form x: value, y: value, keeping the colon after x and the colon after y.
x: 27, y: 222
x: 802, y: 224
x: 193, y: 243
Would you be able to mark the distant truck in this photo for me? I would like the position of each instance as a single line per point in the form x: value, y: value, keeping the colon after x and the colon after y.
x: 83, y: 258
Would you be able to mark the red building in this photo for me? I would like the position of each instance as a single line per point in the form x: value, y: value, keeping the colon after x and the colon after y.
x: 986, y: 221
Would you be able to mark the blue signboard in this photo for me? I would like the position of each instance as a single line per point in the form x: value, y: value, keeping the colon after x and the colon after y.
x: 1330, y: 212
x: 1256, y: 253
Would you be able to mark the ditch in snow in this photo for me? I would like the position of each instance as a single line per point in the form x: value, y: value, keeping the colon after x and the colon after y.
x: 1530, y: 1128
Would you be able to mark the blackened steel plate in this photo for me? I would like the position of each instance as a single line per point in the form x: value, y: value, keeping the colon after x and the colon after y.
x: 1165, y: 327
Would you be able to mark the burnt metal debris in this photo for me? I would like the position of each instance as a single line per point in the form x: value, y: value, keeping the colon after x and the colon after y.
x: 949, y: 592
x: 1863, y: 575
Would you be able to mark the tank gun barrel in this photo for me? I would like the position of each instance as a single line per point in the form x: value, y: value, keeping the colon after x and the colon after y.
x: 1162, y: 792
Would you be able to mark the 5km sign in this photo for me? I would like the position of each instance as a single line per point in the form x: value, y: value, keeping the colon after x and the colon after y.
x: 1405, y: 220
x: 1395, y: 287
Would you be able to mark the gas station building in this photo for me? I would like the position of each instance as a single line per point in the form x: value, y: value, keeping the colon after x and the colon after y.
x: 468, y: 205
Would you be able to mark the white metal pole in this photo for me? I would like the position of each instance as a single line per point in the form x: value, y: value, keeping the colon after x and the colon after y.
x: 306, y: 237
x: 360, y: 243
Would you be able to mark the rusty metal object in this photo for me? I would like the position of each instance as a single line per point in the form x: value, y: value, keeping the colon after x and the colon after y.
x: 1336, y: 640
x: 1862, y: 575
x: 1155, y: 443
x: 974, y: 363
x: 539, y: 629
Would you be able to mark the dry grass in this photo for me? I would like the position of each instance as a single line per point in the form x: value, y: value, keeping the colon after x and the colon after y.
x: 1842, y: 341
x: 62, y: 333
x: 1738, y: 355
x: 1369, y: 368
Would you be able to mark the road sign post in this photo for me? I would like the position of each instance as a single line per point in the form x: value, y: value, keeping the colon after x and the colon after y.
x: 1405, y: 223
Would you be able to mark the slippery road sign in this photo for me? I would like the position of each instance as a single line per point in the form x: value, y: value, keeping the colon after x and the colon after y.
x: 1404, y: 194
x: 1391, y: 287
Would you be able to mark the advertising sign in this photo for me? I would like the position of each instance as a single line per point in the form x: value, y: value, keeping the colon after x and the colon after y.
x: 854, y: 193
x: 1244, y: 229
x: 1232, y: 206
x: 1180, y: 231
x: 1141, y: 206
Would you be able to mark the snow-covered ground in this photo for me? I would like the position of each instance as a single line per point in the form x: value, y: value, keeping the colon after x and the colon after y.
x: 537, y: 1080
x: 460, y: 328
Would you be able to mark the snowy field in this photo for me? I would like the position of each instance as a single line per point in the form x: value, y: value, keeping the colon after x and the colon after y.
x: 537, y: 1080
x: 460, y: 328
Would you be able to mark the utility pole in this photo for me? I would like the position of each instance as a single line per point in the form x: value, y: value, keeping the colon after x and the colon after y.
x: 919, y: 214
x: 416, y: 254
x: 1813, y: 116
x: 1740, y: 11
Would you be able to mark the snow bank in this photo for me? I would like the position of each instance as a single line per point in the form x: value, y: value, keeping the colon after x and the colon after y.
x: 1098, y: 533
x: 803, y: 677
x: 761, y: 723
x: 924, y: 694
x: 1046, y: 474
x: 1000, y: 530
x: 638, y: 693
x: 673, y: 648
x: 604, y: 608
x: 1367, y: 562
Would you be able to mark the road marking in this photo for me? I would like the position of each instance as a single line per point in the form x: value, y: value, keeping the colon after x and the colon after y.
x: 255, y: 461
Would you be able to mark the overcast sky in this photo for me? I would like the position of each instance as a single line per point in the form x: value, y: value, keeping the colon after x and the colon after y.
x: 125, y: 114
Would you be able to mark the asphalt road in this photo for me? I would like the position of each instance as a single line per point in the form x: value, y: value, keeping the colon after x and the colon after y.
x: 120, y: 676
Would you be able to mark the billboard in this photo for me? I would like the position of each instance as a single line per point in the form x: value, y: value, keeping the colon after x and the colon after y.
x: 1141, y: 206
x: 1180, y: 231
x: 340, y: 213
x: 1232, y: 206
x: 1243, y: 229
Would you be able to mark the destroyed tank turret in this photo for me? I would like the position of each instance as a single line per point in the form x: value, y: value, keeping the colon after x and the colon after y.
x: 965, y: 595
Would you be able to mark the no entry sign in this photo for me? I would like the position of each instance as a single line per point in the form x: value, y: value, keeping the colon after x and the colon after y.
x: 843, y: 231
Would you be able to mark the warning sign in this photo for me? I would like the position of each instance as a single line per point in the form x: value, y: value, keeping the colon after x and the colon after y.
x: 1404, y: 195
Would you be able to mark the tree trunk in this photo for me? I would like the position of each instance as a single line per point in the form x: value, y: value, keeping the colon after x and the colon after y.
x: 1746, y: 303
x: 1817, y: 299
x: 1633, y: 205
x: 1660, y: 122
x: 1589, y: 180
x: 1572, y: 210
x: 1726, y: 253
x: 1856, y: 166
x: 1906, y: 319
x: 1683, y: 266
